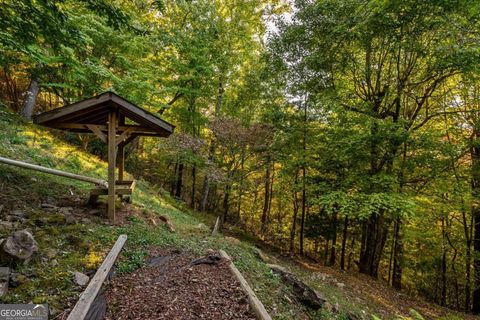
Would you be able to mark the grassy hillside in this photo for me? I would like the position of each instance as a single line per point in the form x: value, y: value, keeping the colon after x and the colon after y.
x: 66, y: 245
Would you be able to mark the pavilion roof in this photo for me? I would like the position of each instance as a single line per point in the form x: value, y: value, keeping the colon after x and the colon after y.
x: 83, y: 115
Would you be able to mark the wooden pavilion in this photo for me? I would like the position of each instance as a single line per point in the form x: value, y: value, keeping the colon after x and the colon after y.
x: 116, y: 122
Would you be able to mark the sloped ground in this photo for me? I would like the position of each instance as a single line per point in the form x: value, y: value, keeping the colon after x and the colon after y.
x: 372, y: 294
x: 73, y: 237
x: 170, y: 287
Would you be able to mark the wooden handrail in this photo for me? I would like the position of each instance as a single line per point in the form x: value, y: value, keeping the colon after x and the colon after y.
x: 35, y: 167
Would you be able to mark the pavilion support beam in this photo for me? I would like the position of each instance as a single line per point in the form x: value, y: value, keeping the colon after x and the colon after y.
x: 96, y: 130
x: 124, y: 136
x: 112, y: 128
x: 121, y: 161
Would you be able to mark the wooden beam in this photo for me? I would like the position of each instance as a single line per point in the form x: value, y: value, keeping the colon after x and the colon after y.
x: 121, y: 159
x: 256, y: 304
x: 112, y: 124
x: 88, y: 296
x: 134, y: 129
x: 96, y: 130
x: 129, y: 139
x: 125, y: 134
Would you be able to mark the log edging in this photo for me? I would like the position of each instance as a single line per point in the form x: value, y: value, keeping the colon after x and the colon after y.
x: 88, y: 296
x: 255, y: 303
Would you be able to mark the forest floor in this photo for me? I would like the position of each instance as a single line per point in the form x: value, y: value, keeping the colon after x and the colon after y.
x: 171, y: 287
x: 73, y: 237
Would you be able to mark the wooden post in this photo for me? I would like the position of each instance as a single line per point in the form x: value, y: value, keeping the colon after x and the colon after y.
x: 121, y: 161
x: 112, y: 123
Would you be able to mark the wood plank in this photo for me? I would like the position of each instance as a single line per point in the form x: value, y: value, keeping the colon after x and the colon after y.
x: 112, y: 124
x: 142, y: 113
x: 96, y: 130
x: 72, y: 108
x: 104, y: 192
x: 88, y: 296
x: 255, y: 303
x: 133, y: 129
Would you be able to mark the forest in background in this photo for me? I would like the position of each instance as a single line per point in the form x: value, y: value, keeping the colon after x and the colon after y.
x: 344, y: 131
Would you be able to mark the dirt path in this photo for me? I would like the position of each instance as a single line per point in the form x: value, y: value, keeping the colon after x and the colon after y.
x: 170, y: 287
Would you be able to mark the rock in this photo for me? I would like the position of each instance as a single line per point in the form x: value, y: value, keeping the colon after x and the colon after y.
x: 329, y: 307
x: 18, y: 213
x: 233, y: 240
x: 85, y: 220
x: 16, y: 279
x: 6, y: 225
x: 340, y: 285
x: 264, y: 257
x: 4, y: 277
x: 302, y: 292
x: 70, y: 219
x: 167, y: 222
x: 95, y: 212
x: 353, y: 316
x: 81, y: 279
x: 51, y: 253
x: 321, y: 276
x: 275, y: 268
x: 202, y: 226
x: 65, y: 210
x: 19, y: 247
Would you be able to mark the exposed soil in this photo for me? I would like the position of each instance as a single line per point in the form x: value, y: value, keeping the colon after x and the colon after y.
x: 170, y: 287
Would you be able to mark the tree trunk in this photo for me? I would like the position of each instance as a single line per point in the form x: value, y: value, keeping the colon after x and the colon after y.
x: 226, y: 203
x: 374, y: 236
x: 443, y: 300
x: 397, y: 256
x: 333, y: 252
x: 240, y: 189
x: 211, y: 150
x: 178, y: 188
x: 475, y: 154
x: 351, y: 253
x: 468, y: 257
x: 325, y: 261
x: 302, y: 221
x: 266, y: 198
x: 344, y: 243
x: 205, y: 191
x: 194, y: 181
x: 206, y: 181
x: 293, y: 230
x: 30, y: 98
x: 174, y: 179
